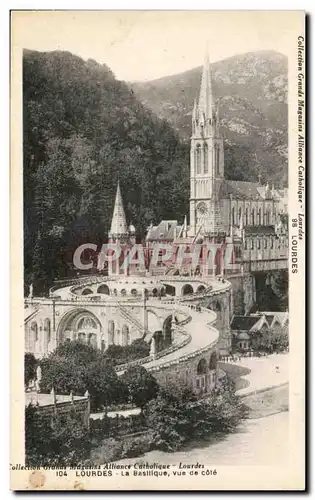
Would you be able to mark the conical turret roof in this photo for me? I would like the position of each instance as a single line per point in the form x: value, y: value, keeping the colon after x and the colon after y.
x: 119, y: 224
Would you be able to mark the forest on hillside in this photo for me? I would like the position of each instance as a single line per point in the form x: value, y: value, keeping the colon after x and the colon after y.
x: 84, y: 130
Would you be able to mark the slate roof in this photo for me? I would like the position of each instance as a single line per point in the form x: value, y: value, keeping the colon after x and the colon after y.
x: 241, y: 190
x: 164, y: 231
x: 259, y: 230
x: 243, y: 322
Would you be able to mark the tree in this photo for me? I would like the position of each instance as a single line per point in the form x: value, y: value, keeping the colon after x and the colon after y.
x: 139, y: 348
x: 104, y: 385
x: 29, y: 368
x: 170, y: 417
x: 280, y: 338
x: 57, y: 441
x: 176, y: 417
x: 118, y: 354
x: 142, y: 386
x: 78, y: 367
x: 77, y: 351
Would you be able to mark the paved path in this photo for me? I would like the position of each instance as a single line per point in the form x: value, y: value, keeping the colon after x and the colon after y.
x: 263, y: 373
x: 202, y: 335
x: 263, y: 441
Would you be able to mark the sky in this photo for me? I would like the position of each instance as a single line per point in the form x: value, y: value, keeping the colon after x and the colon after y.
x: 145, y: 45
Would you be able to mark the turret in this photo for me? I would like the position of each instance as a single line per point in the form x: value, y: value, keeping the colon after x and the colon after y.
x: 118, y: 228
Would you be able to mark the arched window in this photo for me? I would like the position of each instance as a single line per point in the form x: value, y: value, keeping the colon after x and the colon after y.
x: 213, y: 361
x: 217, y: 158
x: 202, y: 367
x: 245, y: 245
x: 239, y: 216
x: 198, y: 158
x: 103, y: 289
x: 271, y: 243
x: 268, y: 217
x: 258, y: 244
x: 34, y: 337
x: 265, y: 243
x: 246, y: 216
x: 259, y: 217
x: 233, y: 216
x: 103, y: 345
x: 47, y: 333
x: 253, y: 217
x: 252, y: 243
x: 111, y: 330
x: 125, y: 334
x: 205, y: 159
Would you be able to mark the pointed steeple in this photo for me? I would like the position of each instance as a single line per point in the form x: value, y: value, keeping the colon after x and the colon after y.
x: 194, y: 113
x: 206, y: 101
x: 119, y: 224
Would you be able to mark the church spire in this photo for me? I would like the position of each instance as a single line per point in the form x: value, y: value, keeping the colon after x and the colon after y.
x: 119, y: 224
x: 206, y: 101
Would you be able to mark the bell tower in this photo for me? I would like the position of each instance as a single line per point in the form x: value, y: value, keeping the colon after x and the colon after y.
x: 206, y: 161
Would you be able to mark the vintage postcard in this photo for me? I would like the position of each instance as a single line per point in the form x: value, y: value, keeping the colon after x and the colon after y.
x: 158, y: 252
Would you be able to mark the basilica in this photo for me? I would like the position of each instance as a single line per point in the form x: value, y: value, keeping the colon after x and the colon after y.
x: 184, y: 312
x: 248, y: 216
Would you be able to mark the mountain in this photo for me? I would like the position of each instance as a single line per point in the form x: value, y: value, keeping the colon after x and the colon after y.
x: 84, y: 130
x: 251, y: 90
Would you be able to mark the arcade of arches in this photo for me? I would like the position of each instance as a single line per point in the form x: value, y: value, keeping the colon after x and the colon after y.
x: 206, y: 374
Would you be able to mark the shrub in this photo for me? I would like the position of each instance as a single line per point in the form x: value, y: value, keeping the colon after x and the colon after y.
x: 134, y: 447
x: 108, y: 451
x: 29, y: 368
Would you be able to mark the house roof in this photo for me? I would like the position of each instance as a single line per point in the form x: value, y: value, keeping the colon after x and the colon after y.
x: 273, y: 317
x: 244, y: 322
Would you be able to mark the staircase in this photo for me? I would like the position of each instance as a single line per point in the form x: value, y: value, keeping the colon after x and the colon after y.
x: 128, y: 316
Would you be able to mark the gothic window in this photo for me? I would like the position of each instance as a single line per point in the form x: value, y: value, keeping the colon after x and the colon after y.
x: 246, y: 216
x: 271, y: 243
x: 111, y: 332
x: 253, y: 217
x: 265, y: 243
x: 258, y: 244
x: 233, y: 216
x: 239, y: 216
x: 217, y: 157
x: 268, y: 217
x: 245, y: 245
x: 47, y: 329
x: 198, y: 158
x: 259, y: 216
x: 252, y: 243
x: 205, y: 158
x: 125, y: 333
x: 34, y: 329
